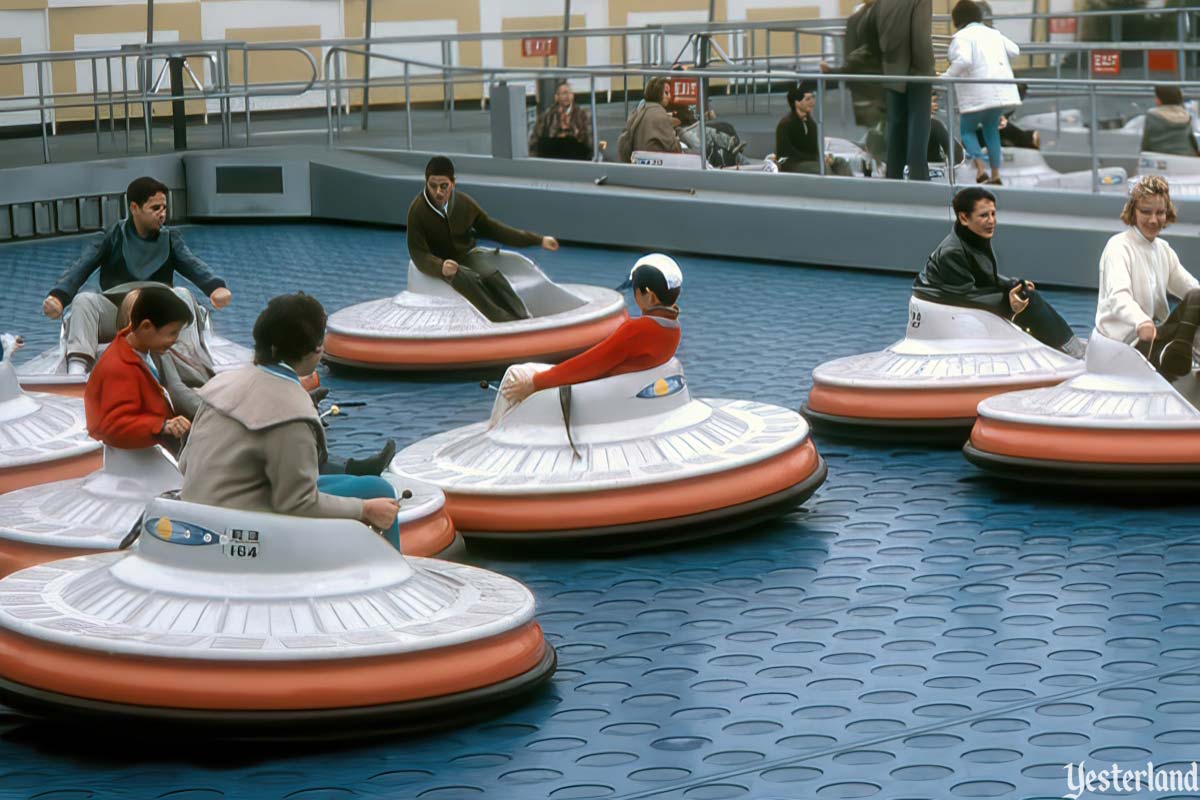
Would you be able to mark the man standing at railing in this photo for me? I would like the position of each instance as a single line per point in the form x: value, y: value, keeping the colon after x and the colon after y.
x: 442, y: 225
x: 906, y: 43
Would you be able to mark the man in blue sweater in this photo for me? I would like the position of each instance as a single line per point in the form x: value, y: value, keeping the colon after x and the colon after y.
x: 137, y: 251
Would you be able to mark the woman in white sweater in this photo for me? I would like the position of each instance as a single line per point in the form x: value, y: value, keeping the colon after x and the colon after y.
x: 977, y: 51
x: 1138, y: 269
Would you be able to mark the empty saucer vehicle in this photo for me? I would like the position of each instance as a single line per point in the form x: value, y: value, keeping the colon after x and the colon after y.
x: 240, y: 624
x: 43, y: 437
x: 431, y: 327
x: 927, y: 385
x: 1119, y: 425
x: 626, y: 462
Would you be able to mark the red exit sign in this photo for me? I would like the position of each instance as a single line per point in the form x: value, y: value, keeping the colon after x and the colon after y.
x: 1106, y: 62
x: 685, y: 91
x: 1062, y: 25
x: 533, y: 46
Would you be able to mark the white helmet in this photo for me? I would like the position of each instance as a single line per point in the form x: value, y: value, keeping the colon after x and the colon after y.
x: 664, y: 264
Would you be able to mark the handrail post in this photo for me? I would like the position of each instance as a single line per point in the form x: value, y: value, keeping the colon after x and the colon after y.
x: 951, y: 107
x: 42, y: 116
x: 625, y: 70
x: 768, y: 33
x: 820, y: 126
x: 112, y: 109
x: 595, y: 132
x: 329, y: 103
x: 1181, y: 32
x: 147, y: 109
x: 1092, y: 139
x: 700, y: 97
x: 125, y: 98
x: 408, y: 123
x: 246, y: 88
x: 95, y: 104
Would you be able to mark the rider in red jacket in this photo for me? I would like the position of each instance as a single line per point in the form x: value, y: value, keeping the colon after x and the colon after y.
x: 640, y: 343
x: 125, y: 401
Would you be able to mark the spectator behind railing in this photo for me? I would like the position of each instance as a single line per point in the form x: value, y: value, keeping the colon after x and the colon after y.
x: 564, y: 130
x: 1169, y: 125
x: 906, y: 44
x: 650, y: 128
x: 977, y: 51
x: 861, y: 46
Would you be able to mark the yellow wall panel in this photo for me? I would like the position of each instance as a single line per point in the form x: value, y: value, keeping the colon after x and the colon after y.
x: 66, y: 23
x: 22, y: 5
x: 11, y: 82
x: 268, y: 66
x: 464, y: 12
x: 783, y: 43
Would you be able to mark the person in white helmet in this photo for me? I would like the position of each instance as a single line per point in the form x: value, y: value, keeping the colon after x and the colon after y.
x: 640, y: 343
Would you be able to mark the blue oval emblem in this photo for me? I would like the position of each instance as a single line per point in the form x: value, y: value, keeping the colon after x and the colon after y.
x: 176, y: 532
x: 663, y: 387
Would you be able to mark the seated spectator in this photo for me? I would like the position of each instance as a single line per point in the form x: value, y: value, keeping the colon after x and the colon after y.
x: 1138, y: 269
x: 125, y: 400
x: 257, y: 439
x: 962, y: 271
x: 1169, y: 125
x: 650, y: 128
x: 796, y: 143
x: 640, y: 343
x: 564, y: 130
x: 939, y: 140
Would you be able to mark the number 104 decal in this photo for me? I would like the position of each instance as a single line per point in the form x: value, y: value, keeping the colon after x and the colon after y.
x: 239, y: 543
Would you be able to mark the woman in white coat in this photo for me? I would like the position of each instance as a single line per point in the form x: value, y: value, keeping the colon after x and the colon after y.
x: 977, y: 51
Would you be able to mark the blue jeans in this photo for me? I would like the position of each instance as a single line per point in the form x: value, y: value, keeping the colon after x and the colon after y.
x: 365, y: 487
x: 989, y: 119
x: 908, y: 131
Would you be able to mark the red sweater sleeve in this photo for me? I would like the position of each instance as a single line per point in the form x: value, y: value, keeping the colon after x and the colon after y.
x: 598, y: 361
x: 115, y: 412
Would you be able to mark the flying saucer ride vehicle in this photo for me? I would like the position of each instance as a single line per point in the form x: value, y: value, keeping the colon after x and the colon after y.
x: 927, y: 385
x: 430, y: 327
x: 618, y: 464
x: 1120, y: 425
x: 43, y: 437
x: 238, y: 624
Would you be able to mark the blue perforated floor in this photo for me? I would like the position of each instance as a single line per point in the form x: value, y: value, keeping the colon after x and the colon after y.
x: 915, y: 633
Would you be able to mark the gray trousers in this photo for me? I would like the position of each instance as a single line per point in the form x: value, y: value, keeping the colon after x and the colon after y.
x: 93, y: 321
x: 481, y: 283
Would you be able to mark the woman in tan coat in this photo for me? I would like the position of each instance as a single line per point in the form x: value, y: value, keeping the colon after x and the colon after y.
x: 257, y: 440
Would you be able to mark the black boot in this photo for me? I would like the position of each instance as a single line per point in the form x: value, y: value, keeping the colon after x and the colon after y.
x: 1175, y: 359
x: 373, y: 465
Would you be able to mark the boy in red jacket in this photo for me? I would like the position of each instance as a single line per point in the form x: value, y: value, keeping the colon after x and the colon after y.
x: 640, y: 343
x: 125, y: 401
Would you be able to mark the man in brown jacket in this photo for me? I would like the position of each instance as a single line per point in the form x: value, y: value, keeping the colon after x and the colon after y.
x: 650, y: 127
x: 442, y: 225
x: 906, y: 44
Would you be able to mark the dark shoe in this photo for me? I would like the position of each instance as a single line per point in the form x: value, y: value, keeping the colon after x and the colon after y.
x: 1075, y: 348
x: 995, y: 182
x: 373, y: 465
x: 981, y: 177
x: 1175, y: 358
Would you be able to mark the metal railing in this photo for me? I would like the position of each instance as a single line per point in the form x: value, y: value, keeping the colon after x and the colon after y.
x: 336, y: 85
x: 747, y: 70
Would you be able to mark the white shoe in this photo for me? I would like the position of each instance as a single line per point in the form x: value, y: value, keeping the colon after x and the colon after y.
x: 77, y: 366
